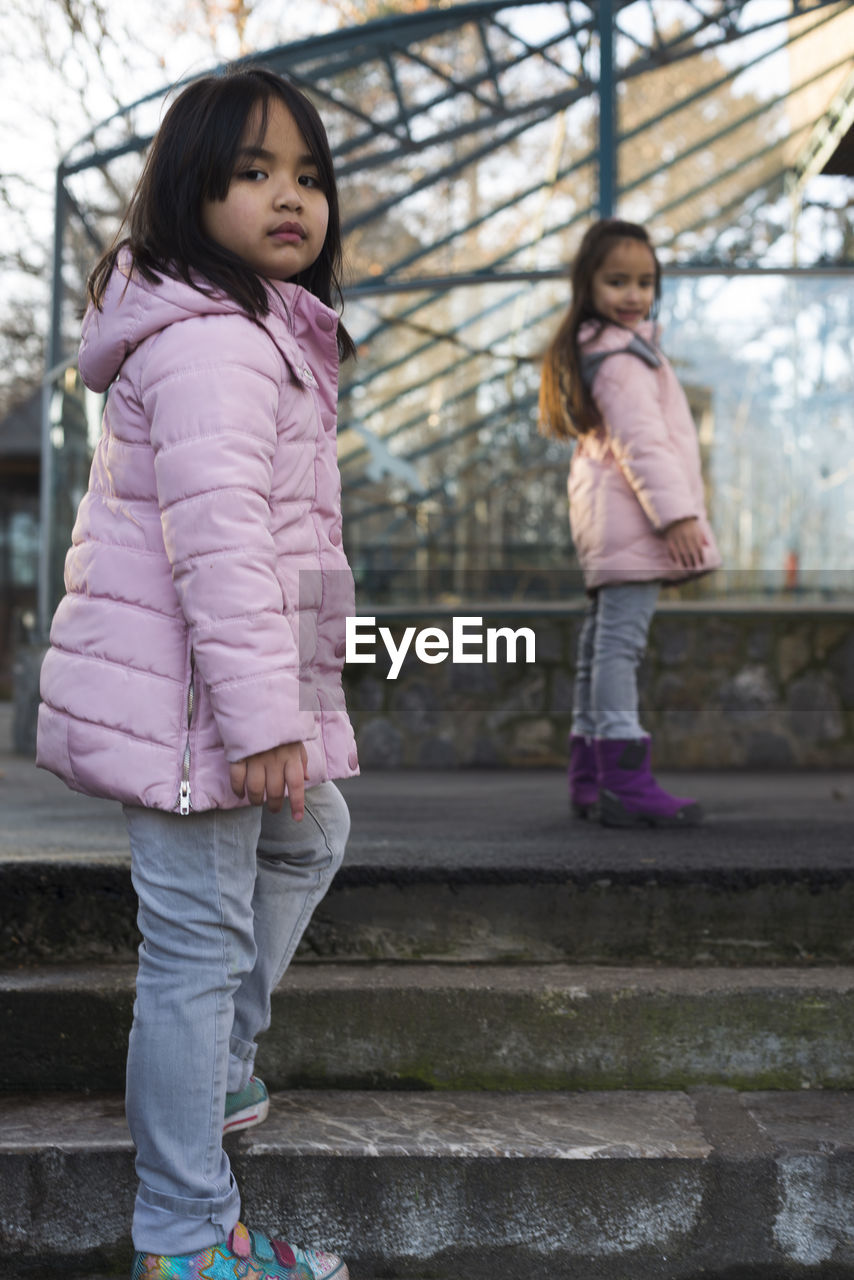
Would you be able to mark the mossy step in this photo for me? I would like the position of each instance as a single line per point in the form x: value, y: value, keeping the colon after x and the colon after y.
x: 445, y: 1027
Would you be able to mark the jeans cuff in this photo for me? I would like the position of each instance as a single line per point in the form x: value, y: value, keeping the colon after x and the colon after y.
x: 173, y: 1225
x: 241, y: 1064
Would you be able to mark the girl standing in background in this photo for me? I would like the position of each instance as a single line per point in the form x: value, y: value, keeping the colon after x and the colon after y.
x: 637, y: 511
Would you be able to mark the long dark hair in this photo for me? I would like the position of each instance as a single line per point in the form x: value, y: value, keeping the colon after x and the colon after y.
x: 566, y: 405
x: 193, y: 159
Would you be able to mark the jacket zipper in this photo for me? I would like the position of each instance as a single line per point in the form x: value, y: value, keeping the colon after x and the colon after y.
x: 184, y: 789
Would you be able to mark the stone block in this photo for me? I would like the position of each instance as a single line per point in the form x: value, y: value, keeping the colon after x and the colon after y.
x: 718, y: 642
x: 534, y: 740
x: 759, y: 644
x: 671, y: 640
x: 828, y: 636
x: 365, y: 693
x: 793, y: 654
x: 841, y: 665
x: 415, y: 707
x: 438, y: 753
x: 551, y: 642
x: 767, y: 750
x: 747, y: 697
x: 814, y: 710
x: 527, y: 698
x: 381, y: 745
x: 560, y: 701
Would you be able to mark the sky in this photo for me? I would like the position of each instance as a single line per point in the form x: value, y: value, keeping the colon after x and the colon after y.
x: 147, y: 34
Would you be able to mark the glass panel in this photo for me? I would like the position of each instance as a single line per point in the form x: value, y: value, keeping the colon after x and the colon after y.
x: 444, y: 472
x: 24, y: 545
x: 450, y: 492
x: 72, y: 441
x: 466, y: 139
x: 768, y: 359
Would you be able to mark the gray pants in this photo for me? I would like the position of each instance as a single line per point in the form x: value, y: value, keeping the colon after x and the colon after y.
x: 610, y: 646
x: 224, y: 898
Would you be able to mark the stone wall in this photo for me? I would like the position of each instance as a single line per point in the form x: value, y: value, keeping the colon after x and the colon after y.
x: 720, y: 687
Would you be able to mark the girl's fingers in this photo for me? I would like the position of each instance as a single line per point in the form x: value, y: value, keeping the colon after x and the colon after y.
x: 275, y: 786
x: 264, y: 777
x: 295, y: 773
x: 256, y: 781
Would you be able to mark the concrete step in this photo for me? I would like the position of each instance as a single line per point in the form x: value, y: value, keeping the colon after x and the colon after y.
x: 490, y: 1187
x: 73, y: 912
x: 483, y: 867
x: 429, y: 1027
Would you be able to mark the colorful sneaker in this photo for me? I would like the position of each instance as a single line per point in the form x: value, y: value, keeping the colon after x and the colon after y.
x: 246, y: 1254
x: 246, y: 1108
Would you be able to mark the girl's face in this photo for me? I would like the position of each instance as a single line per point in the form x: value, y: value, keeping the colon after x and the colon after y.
x: 623, y: 287
x: 274, y: 215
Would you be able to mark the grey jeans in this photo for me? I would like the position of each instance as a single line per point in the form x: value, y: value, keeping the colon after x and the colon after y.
x: 610, y: 646
x: 224, y: 898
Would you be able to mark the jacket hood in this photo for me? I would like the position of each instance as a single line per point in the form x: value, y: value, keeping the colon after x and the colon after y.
x: 606, y: 336
x: 135, y: 309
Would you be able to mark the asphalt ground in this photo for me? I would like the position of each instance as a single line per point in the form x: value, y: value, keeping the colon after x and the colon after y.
x: 499, y: 821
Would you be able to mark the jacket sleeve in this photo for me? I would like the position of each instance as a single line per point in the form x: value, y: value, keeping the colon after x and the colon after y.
x: 626, y: 393
x: 210, y: 390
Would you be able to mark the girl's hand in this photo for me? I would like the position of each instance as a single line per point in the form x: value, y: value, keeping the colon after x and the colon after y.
x: 268, y: 773
x: 685, y: 543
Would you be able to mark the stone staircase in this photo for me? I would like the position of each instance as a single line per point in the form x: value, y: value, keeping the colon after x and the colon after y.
x: 513, y: 1047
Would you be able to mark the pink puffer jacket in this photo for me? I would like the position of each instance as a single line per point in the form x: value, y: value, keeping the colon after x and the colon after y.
x: 206, y: 585
x: 640, y: 471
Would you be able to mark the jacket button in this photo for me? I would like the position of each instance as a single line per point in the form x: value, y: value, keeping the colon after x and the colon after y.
x: 352, y: 760
x: 325, y: 322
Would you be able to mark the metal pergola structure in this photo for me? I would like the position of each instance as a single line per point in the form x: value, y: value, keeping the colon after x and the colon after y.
x: 479, y: 111
x: 472, y: 143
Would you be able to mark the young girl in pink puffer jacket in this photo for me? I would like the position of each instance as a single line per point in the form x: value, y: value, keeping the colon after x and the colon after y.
x: 195, y: 664
x: 637, y: 511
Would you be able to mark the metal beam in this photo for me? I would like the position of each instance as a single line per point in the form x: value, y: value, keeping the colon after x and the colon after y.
x: 607, y: 112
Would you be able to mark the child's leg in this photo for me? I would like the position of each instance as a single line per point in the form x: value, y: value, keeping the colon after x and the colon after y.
x: 296, y: 864
x: 194, y: 877
x: 583, y: 723
x: 628, y: 793
x: 622, y: 626
x: 581, y: 771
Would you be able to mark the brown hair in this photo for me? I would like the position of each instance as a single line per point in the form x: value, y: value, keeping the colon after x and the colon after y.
x: 193, y: 159
x: 566, y: 407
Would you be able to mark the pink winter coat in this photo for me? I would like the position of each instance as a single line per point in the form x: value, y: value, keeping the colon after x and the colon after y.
x: 206, y: 585
x: 640, y: 471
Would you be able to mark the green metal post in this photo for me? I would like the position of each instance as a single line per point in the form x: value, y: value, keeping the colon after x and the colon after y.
x: 607, y: 112
x: 54, y: 354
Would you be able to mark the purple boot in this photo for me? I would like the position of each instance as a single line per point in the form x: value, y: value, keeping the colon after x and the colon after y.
x: 582, y: 776
x: 629, y: 795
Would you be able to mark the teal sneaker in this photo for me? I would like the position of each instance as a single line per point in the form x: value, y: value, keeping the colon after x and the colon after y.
x: 246, y: 1108
x: 245, y: 1253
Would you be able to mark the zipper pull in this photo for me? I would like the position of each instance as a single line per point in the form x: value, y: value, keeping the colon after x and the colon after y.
x: 184, y: 799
